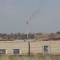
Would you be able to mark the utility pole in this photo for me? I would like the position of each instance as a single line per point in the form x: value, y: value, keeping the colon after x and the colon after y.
x: 28, y: 38
x: 29, y: 48
x: 27, y: 30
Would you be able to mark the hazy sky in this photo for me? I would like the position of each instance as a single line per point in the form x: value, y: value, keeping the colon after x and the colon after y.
x: 14, y: 13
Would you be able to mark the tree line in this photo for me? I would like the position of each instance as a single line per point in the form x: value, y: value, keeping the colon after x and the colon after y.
x: 13, y: 36
x: 18, y: 36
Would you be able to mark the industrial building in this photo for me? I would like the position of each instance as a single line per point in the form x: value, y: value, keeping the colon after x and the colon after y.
x: 23, y: 47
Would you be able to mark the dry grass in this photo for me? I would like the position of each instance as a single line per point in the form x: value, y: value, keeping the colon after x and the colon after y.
x: 34, y: 57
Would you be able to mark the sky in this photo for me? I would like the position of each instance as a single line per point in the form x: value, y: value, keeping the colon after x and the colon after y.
x: 15, y: 13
